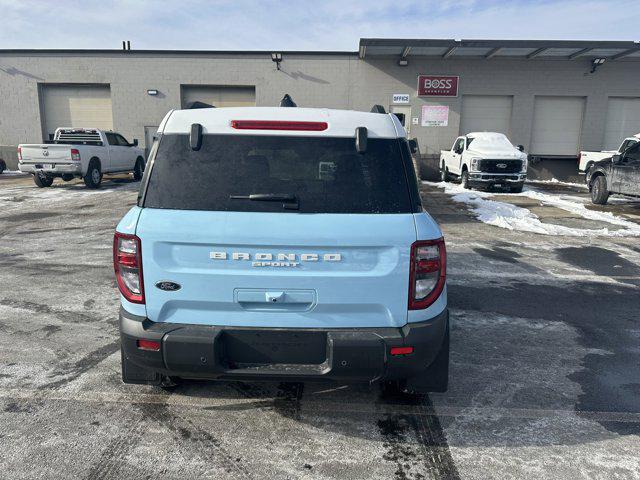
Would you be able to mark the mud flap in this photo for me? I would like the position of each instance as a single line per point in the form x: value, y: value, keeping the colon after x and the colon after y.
x: 132, y: 373
x: 436, y: 377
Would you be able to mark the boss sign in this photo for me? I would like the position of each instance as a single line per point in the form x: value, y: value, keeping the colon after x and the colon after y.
x: 437, y: 86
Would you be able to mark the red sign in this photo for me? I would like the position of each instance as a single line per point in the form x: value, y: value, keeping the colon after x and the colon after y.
x: 437, y: 86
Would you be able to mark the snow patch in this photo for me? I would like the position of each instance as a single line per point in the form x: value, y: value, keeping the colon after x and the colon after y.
x: 511, y: 217
x: 555, y: 181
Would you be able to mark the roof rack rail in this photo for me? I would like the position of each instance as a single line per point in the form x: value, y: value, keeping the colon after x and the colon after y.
x: 378, y: 109
x: 197, y: 104
x: 287, y: 101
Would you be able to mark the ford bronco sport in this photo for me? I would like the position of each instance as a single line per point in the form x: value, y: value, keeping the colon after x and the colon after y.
x: 282, y: 243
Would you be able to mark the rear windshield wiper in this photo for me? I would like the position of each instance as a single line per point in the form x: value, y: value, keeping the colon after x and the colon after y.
x: 290, y: 201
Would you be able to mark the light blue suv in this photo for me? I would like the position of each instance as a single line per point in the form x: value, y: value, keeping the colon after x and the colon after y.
x: 282, y: 243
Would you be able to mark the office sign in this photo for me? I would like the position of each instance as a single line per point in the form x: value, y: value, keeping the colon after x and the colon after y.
x: 400, y: 98
x: 435, y: 115
x: 438, y: 85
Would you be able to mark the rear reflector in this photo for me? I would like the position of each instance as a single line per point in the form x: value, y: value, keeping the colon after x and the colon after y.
x: 278, y: 125
x: 401, y: 351
x: 149, y: 345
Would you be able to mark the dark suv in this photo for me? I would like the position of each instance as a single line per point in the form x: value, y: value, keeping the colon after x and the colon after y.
x: 617, y: 174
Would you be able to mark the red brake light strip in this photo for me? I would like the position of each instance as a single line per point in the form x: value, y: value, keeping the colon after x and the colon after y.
x: 278, y: 125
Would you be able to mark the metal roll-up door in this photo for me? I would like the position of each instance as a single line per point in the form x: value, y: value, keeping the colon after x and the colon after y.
x: 219, y: 96
x: 557, y: 126
x: 623, y: 120
x: 486, y: 113
x: 76, y: 106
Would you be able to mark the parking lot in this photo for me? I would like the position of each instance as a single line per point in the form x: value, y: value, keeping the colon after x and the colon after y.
x: 544, y: 298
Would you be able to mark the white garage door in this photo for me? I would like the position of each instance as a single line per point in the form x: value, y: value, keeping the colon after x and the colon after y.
x: 219, y: 96
x: 623, y: 120
x: 486, y: 113
x: 76, y: 106
x: 557, y: 125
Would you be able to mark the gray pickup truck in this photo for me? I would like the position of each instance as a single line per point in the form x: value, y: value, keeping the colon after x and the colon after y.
x: 619, y: 173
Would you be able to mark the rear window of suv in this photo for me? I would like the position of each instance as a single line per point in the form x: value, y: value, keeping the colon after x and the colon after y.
x: 313, y: 174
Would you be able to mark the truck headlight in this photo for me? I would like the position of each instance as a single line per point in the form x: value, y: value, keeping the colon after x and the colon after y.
x: 475, y: 164
x: 524, y: 166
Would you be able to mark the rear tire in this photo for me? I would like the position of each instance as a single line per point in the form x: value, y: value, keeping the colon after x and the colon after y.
x: 93, y: 177
x: 169, y: 384
x: 138, y: 170
x: 600, y: 190
x: 3, y: 166
x: 464, y: 180
x: 42, y: 180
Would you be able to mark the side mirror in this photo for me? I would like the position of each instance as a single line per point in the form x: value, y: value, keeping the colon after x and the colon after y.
x: 135, y: 142
x: 520, y: 147
x: 616, y: 159
x: 361, y: 139
x: 413, y: 145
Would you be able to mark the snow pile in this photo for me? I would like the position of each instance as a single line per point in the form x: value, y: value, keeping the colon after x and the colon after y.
x: 512, y: 217
x: 555, y: 181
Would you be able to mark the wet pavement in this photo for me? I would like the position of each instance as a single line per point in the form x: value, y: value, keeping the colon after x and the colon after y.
x: 544, y: 363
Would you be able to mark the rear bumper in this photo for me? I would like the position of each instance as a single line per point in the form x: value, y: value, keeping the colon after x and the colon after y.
x: 212, y: 352
x: 51, y: 169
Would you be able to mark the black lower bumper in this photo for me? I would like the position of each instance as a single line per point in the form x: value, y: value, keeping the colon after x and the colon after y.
x: 213, y: 352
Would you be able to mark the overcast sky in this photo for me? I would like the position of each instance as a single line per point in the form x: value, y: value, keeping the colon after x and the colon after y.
x: 303, y: 25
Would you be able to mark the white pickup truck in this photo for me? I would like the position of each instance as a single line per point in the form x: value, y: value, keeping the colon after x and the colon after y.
x: 85, y: 153
x: 485, y: 159
x: 587, y: 159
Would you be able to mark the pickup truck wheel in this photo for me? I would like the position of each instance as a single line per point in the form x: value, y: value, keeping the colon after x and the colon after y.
x: 93, y: 177
x: 444, y: 174
x: 138, y: 170
x: 3, y: 166
x: 42, y: 180
x: 464, y: 179
x: 599, y: 190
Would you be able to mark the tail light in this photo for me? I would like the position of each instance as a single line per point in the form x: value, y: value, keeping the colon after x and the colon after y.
x: 427, y: 274
x: 75, y: 155
x: 20, y: 153
x: 127, y: 263
x: 278, y: 125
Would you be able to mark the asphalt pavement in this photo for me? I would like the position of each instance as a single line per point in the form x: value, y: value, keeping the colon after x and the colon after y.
x: 544, y: 375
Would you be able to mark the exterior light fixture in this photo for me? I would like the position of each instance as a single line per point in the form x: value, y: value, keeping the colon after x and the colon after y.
x: 403, y: 62
x: 597, y: 62
x: 276, y: 57
x: 152, y: 92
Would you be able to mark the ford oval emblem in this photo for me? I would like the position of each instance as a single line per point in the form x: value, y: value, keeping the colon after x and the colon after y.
x: 168, y: 286
x: 501, y: 165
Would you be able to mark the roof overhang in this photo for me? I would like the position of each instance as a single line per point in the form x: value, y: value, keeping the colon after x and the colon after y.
x: 506, y: 49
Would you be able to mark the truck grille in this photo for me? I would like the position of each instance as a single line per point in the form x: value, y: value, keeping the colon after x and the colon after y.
x: 500, y: 166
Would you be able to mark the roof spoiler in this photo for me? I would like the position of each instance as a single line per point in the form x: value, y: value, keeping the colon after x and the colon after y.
x: 197, y: 104
x: 287, y: 101
x: 378, y: 109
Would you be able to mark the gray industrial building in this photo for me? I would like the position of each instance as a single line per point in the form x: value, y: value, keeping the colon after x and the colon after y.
x: 553, y: 97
